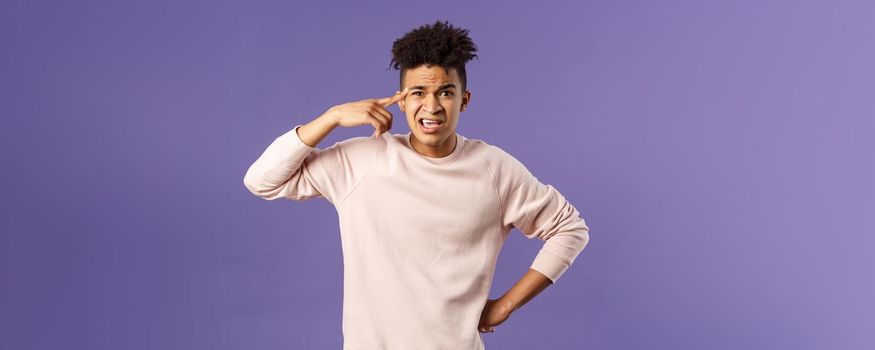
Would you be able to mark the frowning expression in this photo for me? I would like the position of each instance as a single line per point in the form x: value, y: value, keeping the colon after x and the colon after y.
x: 432, y: 107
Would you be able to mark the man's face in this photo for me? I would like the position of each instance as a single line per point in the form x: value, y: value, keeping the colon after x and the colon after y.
x: 435, y: 94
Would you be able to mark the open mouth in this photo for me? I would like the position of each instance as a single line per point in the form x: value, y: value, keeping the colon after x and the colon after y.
x: 430, y: 125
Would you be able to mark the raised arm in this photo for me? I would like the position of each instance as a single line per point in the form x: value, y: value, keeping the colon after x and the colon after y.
x: 285, y: 168
x: 313, y: 132
x: 292, y: 167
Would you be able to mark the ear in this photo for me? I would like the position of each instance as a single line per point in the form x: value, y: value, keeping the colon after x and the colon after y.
x: 466, y: 98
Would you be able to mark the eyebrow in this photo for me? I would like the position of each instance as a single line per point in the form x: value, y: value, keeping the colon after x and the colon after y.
x: 445, y: 86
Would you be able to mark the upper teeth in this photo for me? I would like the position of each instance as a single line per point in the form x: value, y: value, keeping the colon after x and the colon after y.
x: 430, y: 121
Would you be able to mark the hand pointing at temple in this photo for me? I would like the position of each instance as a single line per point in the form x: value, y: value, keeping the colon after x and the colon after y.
x: 369, y: 111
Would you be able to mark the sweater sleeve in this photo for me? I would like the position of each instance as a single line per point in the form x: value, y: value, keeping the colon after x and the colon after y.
x: 291, y: 169
x: 540, y: 211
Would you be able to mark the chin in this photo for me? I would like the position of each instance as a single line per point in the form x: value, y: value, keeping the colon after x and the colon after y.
x: 431, y: 139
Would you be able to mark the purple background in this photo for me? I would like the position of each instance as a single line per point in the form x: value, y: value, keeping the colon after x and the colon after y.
x: 721, y: 153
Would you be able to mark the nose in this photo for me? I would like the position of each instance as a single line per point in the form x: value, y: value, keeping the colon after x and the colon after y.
x: 431, y: 104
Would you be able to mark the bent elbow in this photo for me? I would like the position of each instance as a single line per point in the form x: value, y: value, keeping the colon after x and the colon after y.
x: 584, y: 237
x: 254, y: 185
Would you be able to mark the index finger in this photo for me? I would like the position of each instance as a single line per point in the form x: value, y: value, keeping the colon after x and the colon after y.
x: 388, y: 101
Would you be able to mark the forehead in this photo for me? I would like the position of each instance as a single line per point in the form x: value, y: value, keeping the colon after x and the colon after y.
x: 431, y: 77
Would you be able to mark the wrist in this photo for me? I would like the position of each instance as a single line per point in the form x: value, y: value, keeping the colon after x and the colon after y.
x: 506, y: 304
x: 330, y: 116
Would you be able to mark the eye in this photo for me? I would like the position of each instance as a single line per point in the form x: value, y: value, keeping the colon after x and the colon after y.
x: 448, y: 92
x: 416, y: 92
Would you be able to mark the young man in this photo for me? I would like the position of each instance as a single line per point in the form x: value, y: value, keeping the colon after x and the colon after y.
x: 423, y: 215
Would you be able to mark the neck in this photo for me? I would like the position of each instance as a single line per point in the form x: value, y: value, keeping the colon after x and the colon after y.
x: 443, y: 150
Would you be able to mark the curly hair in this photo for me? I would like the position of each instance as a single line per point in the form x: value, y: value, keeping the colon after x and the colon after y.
x: 438, y: 44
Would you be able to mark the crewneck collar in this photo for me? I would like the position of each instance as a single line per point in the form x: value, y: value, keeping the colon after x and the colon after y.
x: 442, y: 160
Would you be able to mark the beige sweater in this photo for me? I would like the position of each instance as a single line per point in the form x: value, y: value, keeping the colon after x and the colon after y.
x: 420, y: 236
